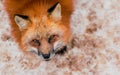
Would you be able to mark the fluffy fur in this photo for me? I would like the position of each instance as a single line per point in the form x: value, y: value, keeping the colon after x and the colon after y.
x: 96, y: 26
x: 41, y: 23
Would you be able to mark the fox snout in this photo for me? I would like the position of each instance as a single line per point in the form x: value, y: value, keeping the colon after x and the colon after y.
x: 45, y: 49
x: 51, y: 53
x: 46, y: 56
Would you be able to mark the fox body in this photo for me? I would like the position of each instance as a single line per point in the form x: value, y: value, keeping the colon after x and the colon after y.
x: 40, y: 26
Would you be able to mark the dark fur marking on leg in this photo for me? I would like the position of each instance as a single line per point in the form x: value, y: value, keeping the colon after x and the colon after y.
x: 62, y: 50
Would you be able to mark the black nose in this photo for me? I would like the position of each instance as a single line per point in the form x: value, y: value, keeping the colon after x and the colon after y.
x: 46, y: 56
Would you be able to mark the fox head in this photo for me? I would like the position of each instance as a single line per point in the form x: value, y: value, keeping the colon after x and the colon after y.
x: 44, y: 35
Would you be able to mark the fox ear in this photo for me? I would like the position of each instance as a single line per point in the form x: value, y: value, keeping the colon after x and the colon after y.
x: 55, y: 12
x: 21, y: 21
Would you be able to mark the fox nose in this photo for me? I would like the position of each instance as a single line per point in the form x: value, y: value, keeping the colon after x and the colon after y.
x: 46, y: 56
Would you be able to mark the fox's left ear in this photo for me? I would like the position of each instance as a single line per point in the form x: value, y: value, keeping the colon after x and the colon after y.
x: 55, y: 12
x: 22, y: 21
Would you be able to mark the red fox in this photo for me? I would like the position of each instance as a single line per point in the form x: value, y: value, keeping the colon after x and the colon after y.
x: 40, y: 26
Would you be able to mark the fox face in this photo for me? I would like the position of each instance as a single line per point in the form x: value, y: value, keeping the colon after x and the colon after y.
x: 43, y: 35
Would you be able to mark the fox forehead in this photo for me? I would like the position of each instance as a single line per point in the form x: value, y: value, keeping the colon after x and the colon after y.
x: 44, y: 27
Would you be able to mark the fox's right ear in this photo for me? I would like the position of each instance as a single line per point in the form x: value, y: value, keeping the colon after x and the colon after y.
x: 55, y: 12
x: 21, y: 21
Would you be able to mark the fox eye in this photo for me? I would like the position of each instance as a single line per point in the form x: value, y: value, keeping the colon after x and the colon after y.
x: 52, y: 38
x: 35, y: 42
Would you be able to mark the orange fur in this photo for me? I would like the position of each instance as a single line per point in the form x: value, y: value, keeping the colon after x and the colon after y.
x: 35, y: 9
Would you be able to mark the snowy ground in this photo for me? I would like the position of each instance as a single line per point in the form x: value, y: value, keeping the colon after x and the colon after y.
x: 96, y: 28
